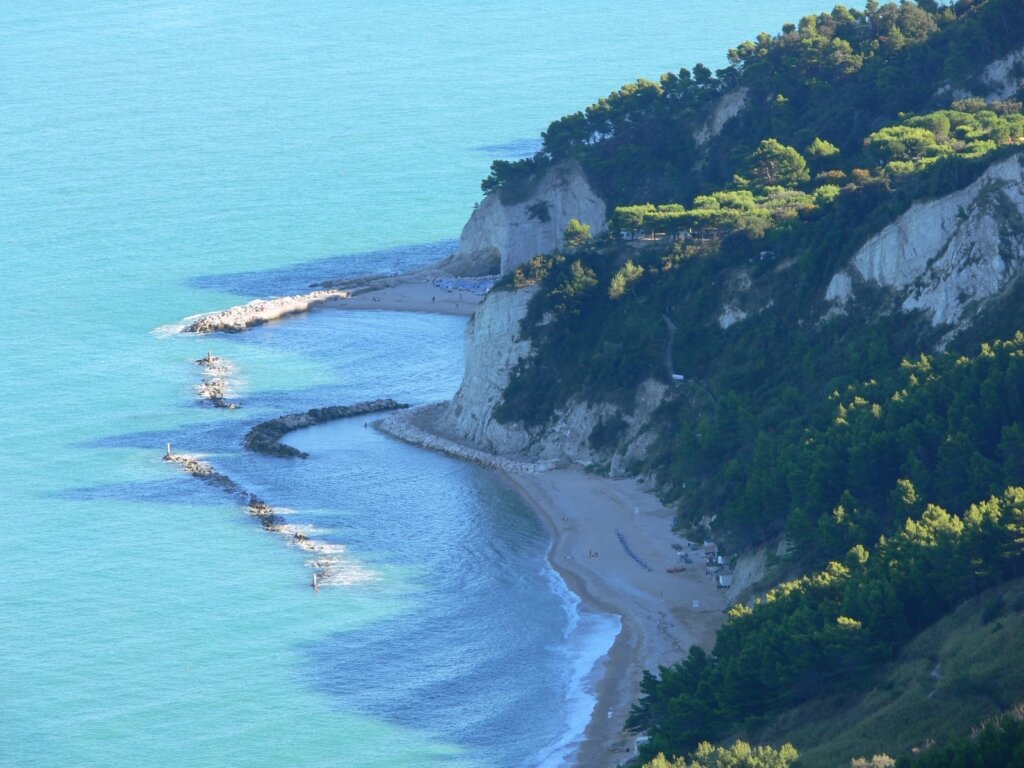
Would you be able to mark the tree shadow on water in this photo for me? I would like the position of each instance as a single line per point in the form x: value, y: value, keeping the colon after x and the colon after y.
x: 299, y: 278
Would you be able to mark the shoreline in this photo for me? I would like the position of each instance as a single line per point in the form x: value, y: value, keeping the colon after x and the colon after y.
x: 429, y: 291
x: 656, y: 629
x: 625, y: 527
x: 611, y: 543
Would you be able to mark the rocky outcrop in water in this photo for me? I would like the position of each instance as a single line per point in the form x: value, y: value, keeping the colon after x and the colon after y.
x: 261, y: 311
x: 266, y: 437
x: 500, y: 237
x: 947, y: 257
x: 215, y: 387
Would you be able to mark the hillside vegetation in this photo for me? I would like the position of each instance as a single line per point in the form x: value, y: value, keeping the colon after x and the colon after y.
x: 838, y: 76
x: 893, y: 471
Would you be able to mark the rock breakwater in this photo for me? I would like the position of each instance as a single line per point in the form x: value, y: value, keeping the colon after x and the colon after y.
x: 261, y: 311
x: 328, y: 567
x: 266, y: 437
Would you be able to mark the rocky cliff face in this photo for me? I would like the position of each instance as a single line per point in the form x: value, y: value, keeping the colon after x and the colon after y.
x: 947, y: 257
x: 493, y: 347
x: 499, y: 237
x: 725, y: 109
x: 1000, y: 80
x: 1004, y: 77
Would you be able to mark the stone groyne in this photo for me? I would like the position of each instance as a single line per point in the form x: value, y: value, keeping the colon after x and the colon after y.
x: 266, y: 437
x: 406, y: 427
x: 328, y: 567
x: 260, y: 311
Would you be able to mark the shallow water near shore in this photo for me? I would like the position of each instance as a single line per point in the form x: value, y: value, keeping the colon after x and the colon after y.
x: 165, y: 158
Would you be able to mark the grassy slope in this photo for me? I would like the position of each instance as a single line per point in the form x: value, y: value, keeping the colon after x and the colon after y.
x: 967, y: 667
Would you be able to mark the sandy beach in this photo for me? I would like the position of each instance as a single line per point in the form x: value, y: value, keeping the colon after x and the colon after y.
x: 612, y: 542
x: 663, y: 613
x: 412, y: 293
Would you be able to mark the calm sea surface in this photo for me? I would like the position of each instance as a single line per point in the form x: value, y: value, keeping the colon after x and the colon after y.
x: 159, y: 159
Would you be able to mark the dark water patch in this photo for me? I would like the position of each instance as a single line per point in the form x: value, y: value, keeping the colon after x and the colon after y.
x: 299, y: 278
x: 172, y: 491
x: 450, y: 661
x: 211, y: 436
x: 512, y: 150
x: 448, y: 682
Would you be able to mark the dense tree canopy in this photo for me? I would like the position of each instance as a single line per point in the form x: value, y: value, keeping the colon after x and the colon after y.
x: 831, y: 629
x: 897, y: 485
x: 833, y: 76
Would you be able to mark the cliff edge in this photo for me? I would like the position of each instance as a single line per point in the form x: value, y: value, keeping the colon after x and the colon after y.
x: 947, y: 257
x: 494, y: 346
x: 499, y: 237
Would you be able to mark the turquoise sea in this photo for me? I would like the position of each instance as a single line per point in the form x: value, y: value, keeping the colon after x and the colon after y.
x: 162, y: 158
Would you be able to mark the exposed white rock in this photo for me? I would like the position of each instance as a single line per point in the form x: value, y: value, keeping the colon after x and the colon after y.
x: 752, y: 566
x: 725, y: 109
x: 999, y: 81
x: 501, y: 237
x: 949, y: 255
x: 638, y: 437
x: 840, y: 289
x: 493, y: 347
x: 730, y: 316
x: 569, y: 437
x: 1003, y: 77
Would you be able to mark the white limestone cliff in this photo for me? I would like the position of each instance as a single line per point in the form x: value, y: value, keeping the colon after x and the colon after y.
x: 1005, y: 76
x: 493, y: 348
x: 501, y: 237
x: 947, y: 257
x: 999, y: 81
x: 724, y: 110
x: 568, y: 436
